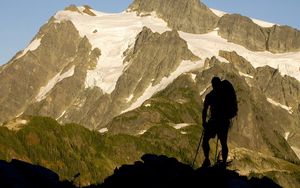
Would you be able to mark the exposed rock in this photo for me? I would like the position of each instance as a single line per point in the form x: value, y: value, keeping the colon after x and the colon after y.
x: 153, y: 57
x: 242, y: 30
x: 191, y: 16
x: 88, y: 10
x: 23, y: 77
x: 73, y: 8
x: 58, y: 101
x: 238, y: 61
x: 283, y: 39
x: 283, y: 89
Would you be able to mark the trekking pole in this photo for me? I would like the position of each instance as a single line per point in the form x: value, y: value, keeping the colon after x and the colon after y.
x: 216, y: 150
x: 198, y: 148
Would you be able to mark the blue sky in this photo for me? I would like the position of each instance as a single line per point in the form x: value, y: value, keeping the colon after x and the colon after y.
x: 21, y: 20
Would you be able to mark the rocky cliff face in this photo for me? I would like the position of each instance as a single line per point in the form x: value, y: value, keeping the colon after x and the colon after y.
x: 192, y: 16
x: 185, y: 15
x: 283, y: 39
x: 242, y: 30
x: 23, y: 78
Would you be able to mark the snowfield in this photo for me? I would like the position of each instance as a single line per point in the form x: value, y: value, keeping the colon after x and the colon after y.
x: 113, y: 34
x: 208, y: 45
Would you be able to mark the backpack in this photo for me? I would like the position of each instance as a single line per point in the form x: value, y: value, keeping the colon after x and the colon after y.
x: 229, y: 99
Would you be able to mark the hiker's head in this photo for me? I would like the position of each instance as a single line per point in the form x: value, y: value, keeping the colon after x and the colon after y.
x: 216, y: 83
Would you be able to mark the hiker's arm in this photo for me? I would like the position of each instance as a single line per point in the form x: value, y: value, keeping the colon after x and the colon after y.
x: 204, y: 112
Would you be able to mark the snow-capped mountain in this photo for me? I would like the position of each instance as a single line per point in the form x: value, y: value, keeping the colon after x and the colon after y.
x: 152, y: 64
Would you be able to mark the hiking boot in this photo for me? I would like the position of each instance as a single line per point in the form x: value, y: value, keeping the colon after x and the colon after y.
x: 206, y: 163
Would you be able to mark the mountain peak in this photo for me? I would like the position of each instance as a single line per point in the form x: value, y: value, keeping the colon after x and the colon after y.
x: 190, y: 16
x: 85, y: 9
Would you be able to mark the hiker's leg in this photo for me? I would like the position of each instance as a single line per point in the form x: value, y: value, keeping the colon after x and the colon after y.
x: 223, y: 141
x: 223, y: 134
x: 205, y: 145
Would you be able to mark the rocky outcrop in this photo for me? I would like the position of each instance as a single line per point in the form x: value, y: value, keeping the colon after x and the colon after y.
x: 283, y: 89
x: 153, y: 57
x: 191, y: 16
x: 283, y: 39
x: 88, y: 10
x: 73, y: 8
x: 238, y: 61
x: 242, y: 30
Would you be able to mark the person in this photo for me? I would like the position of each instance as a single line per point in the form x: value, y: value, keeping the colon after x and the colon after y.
x: 218, y: 122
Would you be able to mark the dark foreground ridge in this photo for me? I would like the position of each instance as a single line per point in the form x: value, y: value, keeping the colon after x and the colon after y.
x: 152, y: 171
x: 161, y: 171
x: 19, y: 174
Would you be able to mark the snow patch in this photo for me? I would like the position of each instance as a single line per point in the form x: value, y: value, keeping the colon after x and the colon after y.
x: 286, y: 135
x: 21, y: 113
x: 296, y: 150
x: 31, y: 47
x: 182, y: 132
x: 193, y: 76
x: 148, y: 105
x: 245, y: 75
x: 184, y: 67
x: 23, y: 121
x: 181, y: 125
x: 262, y: 23
x: 61, y: 115
x: 56, y: 79
x: 142, y: 132
x: 289, y: 109
x: 116, y: 33
x: 129, y: 98
x: 218, y: 12
x: 103, y: 130
x: 16, y: 125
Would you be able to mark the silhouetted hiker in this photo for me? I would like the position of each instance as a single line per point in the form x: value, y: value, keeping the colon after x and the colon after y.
x: 221, y: 102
